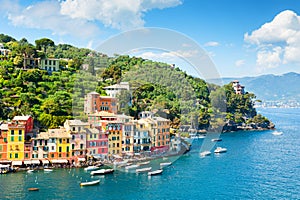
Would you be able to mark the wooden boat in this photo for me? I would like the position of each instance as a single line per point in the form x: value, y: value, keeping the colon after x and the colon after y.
x: 33, y: 189
x: 91, y: 168
x: 165, y: 164
x: 156, y: 172
x: 48, y: 170
x: 102, y: 172
x: 141, y: 170
x: 205, y: 153
x: 220, y: 150
x: 90, y: 183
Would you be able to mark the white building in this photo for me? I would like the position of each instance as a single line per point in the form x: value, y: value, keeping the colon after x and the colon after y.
x: 114, y: 90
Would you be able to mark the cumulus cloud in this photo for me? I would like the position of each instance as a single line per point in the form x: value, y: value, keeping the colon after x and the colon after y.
x: 278, y: 41
x: 46, y: 15
x: 117, y: 14
x: 211, y: 44
x: 81, y: 17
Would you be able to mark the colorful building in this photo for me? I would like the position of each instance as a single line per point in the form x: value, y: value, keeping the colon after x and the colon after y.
x: 93, y: 142
x: 78, y: 132
x: 63, y: 145
x: 15, y: 143
x: 3, y: 142
x: 128, y: 130
x: 95, y: 103
x: 114, y: 131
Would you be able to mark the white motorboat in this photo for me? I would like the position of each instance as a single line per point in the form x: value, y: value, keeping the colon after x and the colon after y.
x: 220, y: 150
x: 156, y: 172
x: 102, y: 172
x: 141, y: 170
x: 144, y: 163
x: 165, y: 164
x: 30, y: 171
x: 48, y: 170
x: 90, y: 183
x: 205, y: 153
x: 91, y: 168
x: 277, y: 133
x: 131, y: 167
x: 216, y: 139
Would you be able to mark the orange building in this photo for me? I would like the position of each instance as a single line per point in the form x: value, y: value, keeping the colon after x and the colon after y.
x: 3, y: 142
x: 95, y: 103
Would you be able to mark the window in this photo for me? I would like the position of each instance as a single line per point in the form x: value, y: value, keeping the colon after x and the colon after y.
x: 68, y: 141
x: 73, y: 128
x: 95, y: 135
x: 46, y: 141
x: 20, y: 132
x: 5, y: 139
x: 10, y: 155
x: 81, y: 137
x: 41, y: 142
x: 54, y: 62
x: 68, y: 149
x: 35, y: 143
x: 46, y: 62
x: 73, y: 146
x: 16, y: 155
x: 60, y: 141
x: 73, y: 137
x: 49, y: 62
x: 12, y: 138
x: 79, y: 129
x: 52, y: 148
x: 12, y: 132
x: 59, y: 149
x: 52, y: 155
x: 81, y: 146
x: 59, y: 155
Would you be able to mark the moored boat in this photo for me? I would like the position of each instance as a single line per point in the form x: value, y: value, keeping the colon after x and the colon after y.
x: 30, y: 171
x: 220, y: 150
x: 33, y: 189
x: 205, y: 153
x: 144, y: 163
x: 90, y: 183
x: 141, y: 170
x: 102, y: 172
x: 48, y: 170
x: 156, y: 172
x: 91, y: 168
x: 165, y: 164
x: 131, y: 167
x: 216, y: 139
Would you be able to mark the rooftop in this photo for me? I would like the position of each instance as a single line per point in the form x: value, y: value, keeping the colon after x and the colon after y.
x: 21, y: 118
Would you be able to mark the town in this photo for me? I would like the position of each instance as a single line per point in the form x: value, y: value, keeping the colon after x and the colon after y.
x: 106, y: 136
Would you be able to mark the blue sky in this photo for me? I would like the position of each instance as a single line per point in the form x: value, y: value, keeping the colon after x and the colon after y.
x: 242, y: 37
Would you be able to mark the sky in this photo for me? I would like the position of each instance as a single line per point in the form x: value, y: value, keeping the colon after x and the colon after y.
x: 240, y: 37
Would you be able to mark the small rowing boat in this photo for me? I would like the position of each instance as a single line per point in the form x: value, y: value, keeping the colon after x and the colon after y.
x: 90, y: 183
x: 141, y: 170
x: 156, y: 172
x: 33, y: 189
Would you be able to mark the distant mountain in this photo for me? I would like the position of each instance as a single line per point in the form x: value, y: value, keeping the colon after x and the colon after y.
x: 269, y: 87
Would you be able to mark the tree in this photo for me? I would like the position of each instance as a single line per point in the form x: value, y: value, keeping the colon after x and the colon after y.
x: 43, y: 44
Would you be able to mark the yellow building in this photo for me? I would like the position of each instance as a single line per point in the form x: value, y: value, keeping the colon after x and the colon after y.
x: 61, y: 152
x: 15, y: 143
x: 114, y: 130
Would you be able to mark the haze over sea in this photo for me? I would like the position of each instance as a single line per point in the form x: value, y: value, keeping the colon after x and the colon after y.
x: 257, y: 165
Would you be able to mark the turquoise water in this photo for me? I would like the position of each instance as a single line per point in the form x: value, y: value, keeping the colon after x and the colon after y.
x: 258, y: 165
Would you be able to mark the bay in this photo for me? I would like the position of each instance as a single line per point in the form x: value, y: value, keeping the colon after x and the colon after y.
x: 257, y: 165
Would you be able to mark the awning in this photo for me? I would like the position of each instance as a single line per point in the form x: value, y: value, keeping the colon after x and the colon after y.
x: 16, y: 162
x: 27, y: 162
x: 59, y: 161
x: 81, y: 159
x: 35, y: 162
x: 5, y: 161
x: 45, y: 161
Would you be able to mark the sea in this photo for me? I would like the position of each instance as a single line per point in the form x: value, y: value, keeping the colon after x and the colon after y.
x: 257, y: 165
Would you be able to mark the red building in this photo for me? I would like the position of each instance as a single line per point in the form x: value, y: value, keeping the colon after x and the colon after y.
x: 26, y: 120
x: 95, y: 103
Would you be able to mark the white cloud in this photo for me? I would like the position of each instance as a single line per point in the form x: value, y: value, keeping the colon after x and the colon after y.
x: 211, y: 44
x: 117, y: 14
x: 278, y: 41
x: 46, y: 15
x: 167, y: 56
x: 81, y: 17
x: 239, y: 63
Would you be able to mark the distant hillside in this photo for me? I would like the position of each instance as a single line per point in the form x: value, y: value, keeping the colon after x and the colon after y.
x: 269, y: 87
